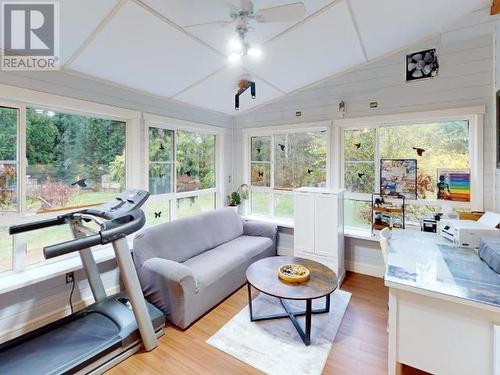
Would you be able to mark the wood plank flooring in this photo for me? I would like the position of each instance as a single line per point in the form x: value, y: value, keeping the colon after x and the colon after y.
x: 359, y: 348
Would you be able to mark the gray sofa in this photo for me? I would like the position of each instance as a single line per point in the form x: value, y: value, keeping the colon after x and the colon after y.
x: 187, y: 266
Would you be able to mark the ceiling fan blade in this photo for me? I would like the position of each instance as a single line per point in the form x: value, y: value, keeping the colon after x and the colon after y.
x: 282, y: 13
x: 246, y: 5
x: 209, y: 23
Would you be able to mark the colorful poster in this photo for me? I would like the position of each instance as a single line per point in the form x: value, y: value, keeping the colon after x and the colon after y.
x: 398, y: 177
x: 453, y: 184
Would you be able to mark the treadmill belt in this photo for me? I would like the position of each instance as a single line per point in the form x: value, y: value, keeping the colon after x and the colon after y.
x: 62, y: 348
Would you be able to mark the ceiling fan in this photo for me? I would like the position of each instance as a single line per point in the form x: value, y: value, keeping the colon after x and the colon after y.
x: 241, y: 18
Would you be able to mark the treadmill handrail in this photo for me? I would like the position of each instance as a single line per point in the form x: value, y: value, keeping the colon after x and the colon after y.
x: 119, y: 227
x: 26, y: 227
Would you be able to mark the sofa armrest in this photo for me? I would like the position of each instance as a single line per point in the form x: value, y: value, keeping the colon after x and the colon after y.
x: 170, y: 286
x: 169, y: 272
x: 260, y: 229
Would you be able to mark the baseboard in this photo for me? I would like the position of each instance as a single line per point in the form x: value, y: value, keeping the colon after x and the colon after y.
x: 52, y: 316
x: 285, y: 251
x: 365, y: 269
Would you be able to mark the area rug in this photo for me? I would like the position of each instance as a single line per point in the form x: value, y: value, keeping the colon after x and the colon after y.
x: 274, y: 346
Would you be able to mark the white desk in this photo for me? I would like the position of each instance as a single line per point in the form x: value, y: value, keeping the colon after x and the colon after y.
x: 444, y: 307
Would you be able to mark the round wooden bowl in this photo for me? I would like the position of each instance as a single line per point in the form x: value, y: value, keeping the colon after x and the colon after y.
x: 293, y: 273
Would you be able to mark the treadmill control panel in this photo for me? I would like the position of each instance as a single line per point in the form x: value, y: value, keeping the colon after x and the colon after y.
x: 127, y: 201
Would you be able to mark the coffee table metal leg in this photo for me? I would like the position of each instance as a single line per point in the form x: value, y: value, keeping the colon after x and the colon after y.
x: 304, y: 335
x: 250, y: 301
x: 307, y: 340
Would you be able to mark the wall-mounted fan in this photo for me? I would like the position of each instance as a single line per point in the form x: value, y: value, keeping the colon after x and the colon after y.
x: 241, y: 18
x: 423, y: 64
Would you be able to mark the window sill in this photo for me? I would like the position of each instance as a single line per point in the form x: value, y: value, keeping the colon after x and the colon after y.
x: 16, y: 280
x: 348, y: 232
x: 360, y: 234
x: 284, y: 223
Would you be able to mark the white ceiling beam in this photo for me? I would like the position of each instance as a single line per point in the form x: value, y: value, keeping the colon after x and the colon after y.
x: 177, y: 27
x: 306, y: 19
x: 196, y: 83
x: 356, y: 28
x: 94, y: 33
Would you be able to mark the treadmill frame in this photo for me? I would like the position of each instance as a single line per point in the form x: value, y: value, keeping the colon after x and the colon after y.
x: 128, y: 275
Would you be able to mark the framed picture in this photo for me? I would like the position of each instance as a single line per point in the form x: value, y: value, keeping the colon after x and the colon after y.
x: 398, y: 177
x: 453, y: 185
x: 421, y: 65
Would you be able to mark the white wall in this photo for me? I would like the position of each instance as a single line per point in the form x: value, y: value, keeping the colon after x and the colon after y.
x: 31, y: 307
x: 466, y: 58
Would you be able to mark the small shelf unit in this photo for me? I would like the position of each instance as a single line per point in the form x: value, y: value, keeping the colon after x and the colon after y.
x: 385, y: 214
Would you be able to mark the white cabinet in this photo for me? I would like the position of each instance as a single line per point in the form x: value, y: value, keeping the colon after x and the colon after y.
x: 319, y: 227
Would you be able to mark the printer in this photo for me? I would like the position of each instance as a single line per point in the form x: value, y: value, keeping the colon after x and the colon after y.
x: 468, y: 233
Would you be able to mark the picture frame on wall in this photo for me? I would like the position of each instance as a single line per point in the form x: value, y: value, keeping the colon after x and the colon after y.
x: 453, y: 185
x: 398, y: 177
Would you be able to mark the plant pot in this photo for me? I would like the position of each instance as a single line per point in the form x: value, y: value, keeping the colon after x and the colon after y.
x: 235, y: 208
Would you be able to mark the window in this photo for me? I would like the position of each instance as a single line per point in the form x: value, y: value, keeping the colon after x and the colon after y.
x: 161, y: 161
x: 8, y: 159
x: 446, y: 145
x: 195, y: 159
x: 72, y: 161
x: 192, y: 187
x: 281, y: 162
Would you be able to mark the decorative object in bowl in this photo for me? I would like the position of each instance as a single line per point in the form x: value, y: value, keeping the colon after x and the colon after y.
x: 293, y: 273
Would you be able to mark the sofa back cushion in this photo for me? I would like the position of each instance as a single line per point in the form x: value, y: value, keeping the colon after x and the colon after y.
x: 185, y: 238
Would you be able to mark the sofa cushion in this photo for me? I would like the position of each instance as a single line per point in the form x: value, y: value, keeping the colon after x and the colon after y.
x: 214, y: 264
x: 248, y: 247
x: 185, y: 238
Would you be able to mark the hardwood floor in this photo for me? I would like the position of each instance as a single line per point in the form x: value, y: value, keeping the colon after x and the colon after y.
x: 359, y: 348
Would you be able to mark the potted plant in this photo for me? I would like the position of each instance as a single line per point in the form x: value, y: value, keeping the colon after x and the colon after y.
x: 236, y: 197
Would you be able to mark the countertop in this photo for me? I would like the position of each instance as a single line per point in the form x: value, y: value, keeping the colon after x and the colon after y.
x: 428, y: 263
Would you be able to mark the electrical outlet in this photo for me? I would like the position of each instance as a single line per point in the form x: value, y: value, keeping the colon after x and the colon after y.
x: 70, y: 277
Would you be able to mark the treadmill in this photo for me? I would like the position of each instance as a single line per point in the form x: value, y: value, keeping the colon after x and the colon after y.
x: 113, y: 328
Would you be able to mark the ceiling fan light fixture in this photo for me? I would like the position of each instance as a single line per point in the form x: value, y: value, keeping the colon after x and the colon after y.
x: 235, y: 45
x: 255, y: 52
x: 234, y: 58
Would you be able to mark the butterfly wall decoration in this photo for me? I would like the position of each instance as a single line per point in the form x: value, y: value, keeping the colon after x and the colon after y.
x: 281, y: 146
x: 358, y: 145
x: 157, y: 215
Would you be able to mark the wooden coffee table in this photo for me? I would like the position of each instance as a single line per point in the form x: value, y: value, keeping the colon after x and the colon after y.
x: 263, y: 276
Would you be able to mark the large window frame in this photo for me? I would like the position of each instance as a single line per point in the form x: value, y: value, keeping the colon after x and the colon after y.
x: 475, y: 118
x: 22, y: 99
x: 273, y: 131
x: 154, y: 121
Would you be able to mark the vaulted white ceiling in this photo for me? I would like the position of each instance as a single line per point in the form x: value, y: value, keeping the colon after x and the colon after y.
x: 150, y: 46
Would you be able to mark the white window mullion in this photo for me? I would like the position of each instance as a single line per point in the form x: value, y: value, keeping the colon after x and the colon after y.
x: 271, y: 198
x: 20, y: 246
x: 376, y: 188
x: 174, y: 177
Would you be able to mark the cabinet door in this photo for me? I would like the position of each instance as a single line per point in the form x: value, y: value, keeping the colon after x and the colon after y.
x: 326, y: 222
x: 303, y: 218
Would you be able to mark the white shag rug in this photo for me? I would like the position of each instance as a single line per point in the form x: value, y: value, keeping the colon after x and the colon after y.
x: 274, y: 346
